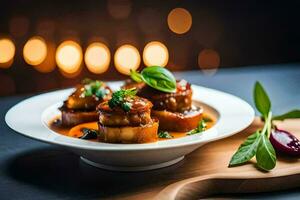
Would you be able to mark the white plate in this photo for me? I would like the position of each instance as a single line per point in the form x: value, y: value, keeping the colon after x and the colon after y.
x: 31, y: 117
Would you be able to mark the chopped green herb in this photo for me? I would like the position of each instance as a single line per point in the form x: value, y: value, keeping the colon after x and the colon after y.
x: 201, y: 127
x: 94, y: 88
x: 165, y: 134
x: 119, y: 99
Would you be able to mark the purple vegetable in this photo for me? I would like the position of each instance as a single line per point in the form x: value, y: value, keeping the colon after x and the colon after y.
x: 285, y: 142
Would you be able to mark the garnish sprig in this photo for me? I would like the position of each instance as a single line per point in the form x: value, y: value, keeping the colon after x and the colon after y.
x: 156, y: 77
x: 202, y: 126
x: 165, y: 134
x: 119, y: 99
x: 258, y: 144
x: 92, y: 87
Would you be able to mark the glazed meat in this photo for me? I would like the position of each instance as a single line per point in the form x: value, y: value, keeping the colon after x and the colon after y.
x: 139, y: 113
x: 128, y: 134
x: 71, y: 117
x: 174, y: 111
x: 79, y: 108
x: 126, y: 118
x: 178, y: 122
x: 179, y: 101
x: 78, y: 101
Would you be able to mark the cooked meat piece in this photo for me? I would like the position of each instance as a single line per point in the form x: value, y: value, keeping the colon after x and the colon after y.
x: 77, y: 100
x: 139, y: 113
x: 178, y: 122
x: 179, y: 101
x: 128, y: 134
x: 71, y: 117
x: 79, y: 108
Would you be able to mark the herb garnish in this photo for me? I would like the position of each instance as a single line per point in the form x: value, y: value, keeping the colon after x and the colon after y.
x: 94, y: 88
x: 89, y: 134
x: 201, y: 127
x: 156, y: 77
x: 119, y: 99
x: 258, y: 144
x: 165, y: 134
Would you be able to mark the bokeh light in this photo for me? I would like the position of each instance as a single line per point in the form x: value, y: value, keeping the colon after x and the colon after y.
x: 127, y: 57
x: 69, y: 56
x: 119, y: 9
x: 97, y: 57
x: 7, y: 52
x: 35, y: 51
x: 71, y: 75
x: 209, y: 61
x: 179, y: 20
x: 48, y: 65
x: 155, y: 53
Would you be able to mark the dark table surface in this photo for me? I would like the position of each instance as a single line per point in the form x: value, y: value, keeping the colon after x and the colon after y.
x: 33, y: 170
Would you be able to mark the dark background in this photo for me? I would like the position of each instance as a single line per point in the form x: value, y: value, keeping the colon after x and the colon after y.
x: 241, y: 32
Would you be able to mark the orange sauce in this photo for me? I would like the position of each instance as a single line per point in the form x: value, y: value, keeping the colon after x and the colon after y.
x: 76, y: 132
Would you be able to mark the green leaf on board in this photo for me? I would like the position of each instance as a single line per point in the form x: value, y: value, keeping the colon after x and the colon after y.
x: 293, y: 114
x: 265, y: 154
x: 246, y: 151
x: 261, y: 100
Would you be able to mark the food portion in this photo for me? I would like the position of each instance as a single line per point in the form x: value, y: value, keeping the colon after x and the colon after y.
x: 152, y: 106
x: 81, y: 105
x: 126, y: 118
x: 172, y: 100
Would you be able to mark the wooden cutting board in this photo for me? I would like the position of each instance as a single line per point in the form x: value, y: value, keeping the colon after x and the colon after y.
x: 204, y: 172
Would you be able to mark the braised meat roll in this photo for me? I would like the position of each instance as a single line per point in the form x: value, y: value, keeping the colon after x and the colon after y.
x: 81, y: 105
x: 174, y: 111
x: 128, y: 120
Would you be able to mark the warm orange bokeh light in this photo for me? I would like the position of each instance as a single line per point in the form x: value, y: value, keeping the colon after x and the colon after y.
x: 7, y: 52
x: 35, y: 51
x: 127, y: 57
x: 97, y: 57
x: 48, y: 65
x: 179, y: 20
x: 69, y: 57
x: 209, y: 60
x: 155, y: 53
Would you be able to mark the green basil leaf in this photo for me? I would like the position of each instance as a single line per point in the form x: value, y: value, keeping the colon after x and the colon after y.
x: 246, y: 151
x: 159, y: 78
x: 293, y: 114
x: 134, y: 75
x: 261, y: 99
x: 265, y: 154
